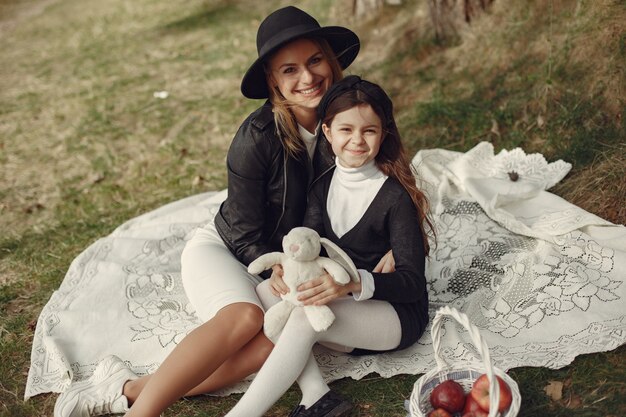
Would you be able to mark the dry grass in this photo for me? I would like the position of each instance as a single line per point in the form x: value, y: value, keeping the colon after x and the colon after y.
x: 600, y: 187
x: 85, y: 145
x: 78, y: 107
x: 529, y: 66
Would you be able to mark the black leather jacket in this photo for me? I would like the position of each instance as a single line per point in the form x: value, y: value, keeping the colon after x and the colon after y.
x: 267, y: 189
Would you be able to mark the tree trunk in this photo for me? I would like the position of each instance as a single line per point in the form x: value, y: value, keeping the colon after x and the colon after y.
x: 448, y: 16
x: 363, y: 8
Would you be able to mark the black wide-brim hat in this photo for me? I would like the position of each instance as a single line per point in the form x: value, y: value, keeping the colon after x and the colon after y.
x: 286, y: 25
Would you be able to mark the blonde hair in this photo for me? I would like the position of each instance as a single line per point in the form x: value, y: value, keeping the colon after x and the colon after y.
x: 284, y: 119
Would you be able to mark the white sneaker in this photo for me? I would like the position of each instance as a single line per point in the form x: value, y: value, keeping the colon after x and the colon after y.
x: 100, y: 394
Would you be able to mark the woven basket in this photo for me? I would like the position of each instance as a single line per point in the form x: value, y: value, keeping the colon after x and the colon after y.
x: 463, y: 373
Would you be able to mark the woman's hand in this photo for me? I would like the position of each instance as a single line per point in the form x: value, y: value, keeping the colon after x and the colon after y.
x: 386, y: 264
x: 277, y: 285
x: 324, y: 289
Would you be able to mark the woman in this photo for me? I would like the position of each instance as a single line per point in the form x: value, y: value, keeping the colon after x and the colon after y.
x: 272, y: 162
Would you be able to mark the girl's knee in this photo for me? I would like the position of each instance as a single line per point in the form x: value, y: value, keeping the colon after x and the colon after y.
x: 299, y: 320
x: 264, y: 292
x: 298, y: 314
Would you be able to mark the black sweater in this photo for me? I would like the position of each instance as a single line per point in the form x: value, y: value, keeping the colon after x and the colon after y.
x: 390, y: 222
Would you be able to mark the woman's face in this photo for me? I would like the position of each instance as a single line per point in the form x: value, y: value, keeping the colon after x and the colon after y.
x: 355, y: 135
x: 301, y: 72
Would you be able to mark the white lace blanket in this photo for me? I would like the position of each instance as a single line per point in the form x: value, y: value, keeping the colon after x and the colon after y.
x: 541, y: 278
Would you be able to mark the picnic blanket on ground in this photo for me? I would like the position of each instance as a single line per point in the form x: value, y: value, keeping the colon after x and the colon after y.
x: 542, y: 278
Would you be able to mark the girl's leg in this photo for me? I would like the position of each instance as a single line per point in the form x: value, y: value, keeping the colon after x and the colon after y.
x: 265, y: 295
x: 311, y: 382
x: 370, y: 324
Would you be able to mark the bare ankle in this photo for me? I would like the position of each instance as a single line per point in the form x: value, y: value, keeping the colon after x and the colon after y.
x: 131, y: 390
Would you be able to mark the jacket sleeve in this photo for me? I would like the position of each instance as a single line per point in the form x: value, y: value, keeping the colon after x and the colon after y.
x: 408, y: 283
x: 249, y: 160
x: 315, y: 206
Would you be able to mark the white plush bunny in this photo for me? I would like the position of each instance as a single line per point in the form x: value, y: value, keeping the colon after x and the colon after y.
x: 301, y: 262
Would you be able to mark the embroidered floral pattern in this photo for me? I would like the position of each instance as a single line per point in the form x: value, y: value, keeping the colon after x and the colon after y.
x: 512, y: 286
x: 481, y: 258
x: 161, y: 315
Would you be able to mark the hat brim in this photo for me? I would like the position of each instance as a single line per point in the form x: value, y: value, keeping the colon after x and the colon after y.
x: 342, y: 41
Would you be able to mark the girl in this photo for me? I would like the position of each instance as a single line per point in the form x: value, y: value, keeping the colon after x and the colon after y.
x: 272, y: 161
x: 368, y: 205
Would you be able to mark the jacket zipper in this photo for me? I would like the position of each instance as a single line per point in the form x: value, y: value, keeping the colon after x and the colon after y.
x: 319, y: 177
x: 282, y: 213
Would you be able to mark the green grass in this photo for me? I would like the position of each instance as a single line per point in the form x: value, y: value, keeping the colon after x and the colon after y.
x: 575, y: 128
x: 84, y: 145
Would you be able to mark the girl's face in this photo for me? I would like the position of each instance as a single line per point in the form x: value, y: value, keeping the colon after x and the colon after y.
x: 355, y: 136
x: 301, y: 72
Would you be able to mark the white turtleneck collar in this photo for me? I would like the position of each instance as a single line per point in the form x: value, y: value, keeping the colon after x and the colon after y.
x: 364, y: 172
x: 350, y: 194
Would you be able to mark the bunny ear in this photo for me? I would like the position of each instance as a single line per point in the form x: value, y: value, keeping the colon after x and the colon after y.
x: 338, y: 255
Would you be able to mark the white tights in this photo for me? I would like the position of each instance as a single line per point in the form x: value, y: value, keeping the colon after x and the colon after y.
x: 370, y: 324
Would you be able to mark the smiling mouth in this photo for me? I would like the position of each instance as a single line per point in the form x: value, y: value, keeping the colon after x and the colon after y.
x: 310, y: 91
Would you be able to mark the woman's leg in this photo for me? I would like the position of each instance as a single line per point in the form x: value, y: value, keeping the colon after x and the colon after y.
x: 245, y: 362
x: 225, y: 349
x: 198, y: 355
x: 370, y: 324
x: 223, y: 294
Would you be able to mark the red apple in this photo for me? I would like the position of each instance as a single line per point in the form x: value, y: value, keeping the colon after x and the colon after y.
x: 477, y: 413
x: 439, y: 412
x: 448, y: 395
x: 480, y: 393
x: 471, y: 405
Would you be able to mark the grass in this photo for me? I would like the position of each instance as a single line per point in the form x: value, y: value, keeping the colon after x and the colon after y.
x: 85, y: 144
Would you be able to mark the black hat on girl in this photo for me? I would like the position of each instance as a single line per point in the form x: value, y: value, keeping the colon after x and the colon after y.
x: 286, y: 25
x: 354, y: 82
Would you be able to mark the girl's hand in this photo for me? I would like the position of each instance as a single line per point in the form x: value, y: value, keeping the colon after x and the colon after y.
x: 324, y: 289
x: 277, y: 285
x: 386, y: 264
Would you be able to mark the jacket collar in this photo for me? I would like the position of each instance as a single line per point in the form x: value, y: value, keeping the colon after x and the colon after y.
x: 323, y: 159
x: 263, y: 117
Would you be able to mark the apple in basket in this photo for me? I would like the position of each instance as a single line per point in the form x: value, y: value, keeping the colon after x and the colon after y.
x: 472, y: 408
x: 439, y: 412
x: 448, y: 395
x: 477, y: 413
x: 480, y: 393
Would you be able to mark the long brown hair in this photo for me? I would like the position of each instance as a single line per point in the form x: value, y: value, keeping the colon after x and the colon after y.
x: 284, y: 119
x: 391, y: 159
